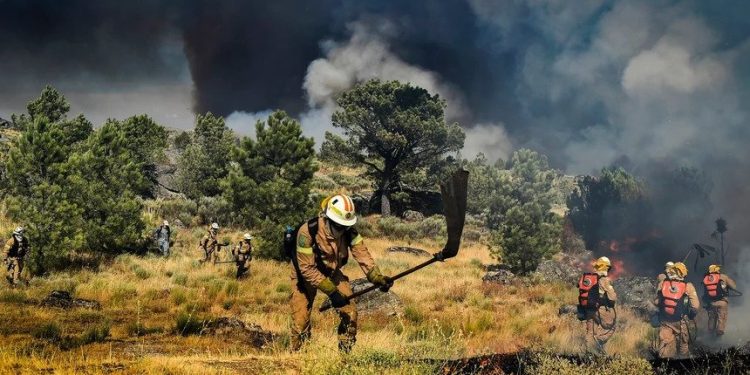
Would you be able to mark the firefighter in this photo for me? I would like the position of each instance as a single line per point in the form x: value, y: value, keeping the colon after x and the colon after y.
x: 668, y: 272
x: 242, y: 254
x: 678, y: 305
x: 210, y: 244
x: 163, y: 236
x: 596, y: 305
x: 323, y: 247
x: 717, y: 285
x: 14, y: 253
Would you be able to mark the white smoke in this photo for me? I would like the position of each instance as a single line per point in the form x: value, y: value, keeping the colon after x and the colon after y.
x: 243, y: 123
x: 366, y: 55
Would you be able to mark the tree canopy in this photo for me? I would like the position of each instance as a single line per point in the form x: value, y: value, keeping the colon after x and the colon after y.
x: 393, y: 129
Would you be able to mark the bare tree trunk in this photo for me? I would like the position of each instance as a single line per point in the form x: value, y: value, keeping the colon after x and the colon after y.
x: 385, y: 204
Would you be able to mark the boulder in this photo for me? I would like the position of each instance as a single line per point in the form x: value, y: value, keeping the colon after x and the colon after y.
x: 409, y: 250
x: 568, y: 310
x: 566, y: 267
x: 375, y: 302
x: 636, y: 292
x: 412, y: 216
x: 62, y: 299
x: 500, y: 276
x: 233, y: 328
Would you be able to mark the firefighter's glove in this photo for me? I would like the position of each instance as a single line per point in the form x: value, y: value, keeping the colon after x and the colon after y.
x: 338, y: 300
x: 383, y: 282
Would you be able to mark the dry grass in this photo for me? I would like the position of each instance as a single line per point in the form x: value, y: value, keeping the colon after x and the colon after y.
x: 449, y: 313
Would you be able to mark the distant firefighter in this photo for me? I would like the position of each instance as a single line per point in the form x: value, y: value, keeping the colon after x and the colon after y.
x: 14, y: 253
x: 668, y: 272
x: 243, y: 255
x: 596, y: 305
x: 163, y: 235
x: 717, y: 286
x: 678, y: 305
x: 210, y: 244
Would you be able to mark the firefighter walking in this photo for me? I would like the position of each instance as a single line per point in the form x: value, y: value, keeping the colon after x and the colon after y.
x: 716, y: 286
x: 678, y: 304
x: 322, y: 249
x: 14, y: 252
x: 242, y: 254
x: 596, y: 306
x: 210, y: 244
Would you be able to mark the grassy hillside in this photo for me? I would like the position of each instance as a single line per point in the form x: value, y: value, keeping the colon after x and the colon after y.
x: 448, y: 313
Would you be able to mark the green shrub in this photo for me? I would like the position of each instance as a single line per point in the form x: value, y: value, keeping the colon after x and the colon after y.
x: 413, y: 314
x: 180, y: 279
x: 188, y: 324
x: 11, y: 296
x: 140, y: 272
x: 95, y: 334
x: 139, y: 329
x: 283, y: 288
x: 49, y: 331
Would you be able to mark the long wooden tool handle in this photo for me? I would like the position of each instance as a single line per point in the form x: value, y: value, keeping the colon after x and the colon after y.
x: 394, y: 278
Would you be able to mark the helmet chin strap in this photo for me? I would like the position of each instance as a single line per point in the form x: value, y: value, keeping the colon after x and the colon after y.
x: 333, y: 229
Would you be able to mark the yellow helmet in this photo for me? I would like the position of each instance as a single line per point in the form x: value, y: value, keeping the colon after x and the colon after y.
x: 680, y: 269
x: 602, y: 264
x: 340, y: 209
x: 714, y: 268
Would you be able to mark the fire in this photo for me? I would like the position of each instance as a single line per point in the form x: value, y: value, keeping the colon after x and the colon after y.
x: 618, y: 269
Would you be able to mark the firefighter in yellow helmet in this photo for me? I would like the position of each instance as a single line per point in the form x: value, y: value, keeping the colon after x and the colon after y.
x: 14, y: 252
x: 716, y: 287
x: 668, y: 272
x: 596, y: 305
x: 678, y: 304
x: 323, y: 247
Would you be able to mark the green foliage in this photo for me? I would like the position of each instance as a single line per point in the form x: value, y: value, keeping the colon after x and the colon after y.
x: 485, y: 182
x: 270, y: 178
x: 95, y: 334
x: 48, y: 331
x: 206, y: 160
x: 137, y: 329
x: 604, y: 199
x: 74, y: 189
x: 146, y: 141
x: 187, y: 324
x: 394, y: 130
x: 182, y: 140
x: 518, y: 202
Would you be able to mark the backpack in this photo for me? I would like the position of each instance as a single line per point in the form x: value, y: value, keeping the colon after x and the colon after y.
x: 290, y: 246
x: 588, y: 291
x: 672, y: 305
x: 712, y: 283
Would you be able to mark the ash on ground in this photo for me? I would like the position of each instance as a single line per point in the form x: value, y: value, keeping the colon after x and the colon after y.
x: 63, y: 300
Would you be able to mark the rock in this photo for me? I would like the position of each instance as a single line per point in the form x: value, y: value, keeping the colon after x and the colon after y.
x: 568, y: 310
x: 177, y: 223
x: 412, y: 216
x: 62, y: 299
x: 409, y: 250
x: 237, y: 329
x: 374, y: 302
x: 501, y: 276
x: 567, y: 268
x: 636, y: 292
x: 496, y: 267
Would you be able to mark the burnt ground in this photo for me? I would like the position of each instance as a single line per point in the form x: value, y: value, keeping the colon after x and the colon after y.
x: 730, y: 361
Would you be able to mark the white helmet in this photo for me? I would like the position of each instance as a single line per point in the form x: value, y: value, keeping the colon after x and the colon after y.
x: 215, y: 226
x: 247, y: 236
x: 18, y: 231
x: 340, y: 209
x: 165, y: 223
